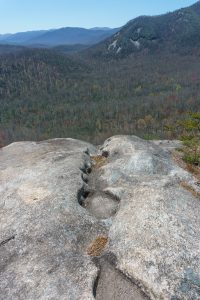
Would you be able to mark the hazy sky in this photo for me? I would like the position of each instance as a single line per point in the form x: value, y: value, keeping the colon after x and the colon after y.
x: 23, y: 15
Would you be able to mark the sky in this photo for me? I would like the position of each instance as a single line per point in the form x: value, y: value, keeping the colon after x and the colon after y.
x: 25, y: 15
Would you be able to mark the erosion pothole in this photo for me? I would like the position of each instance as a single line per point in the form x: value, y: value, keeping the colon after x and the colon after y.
x: 101, y: 205
x: 111, y: 284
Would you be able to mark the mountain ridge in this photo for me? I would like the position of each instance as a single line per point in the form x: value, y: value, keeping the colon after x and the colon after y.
x: 56, y: 37
x: 175, y: 30
x: 145, y: 33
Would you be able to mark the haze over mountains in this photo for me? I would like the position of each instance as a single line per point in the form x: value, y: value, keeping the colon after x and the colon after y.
x: 177, y: 30
x: 62, y: 36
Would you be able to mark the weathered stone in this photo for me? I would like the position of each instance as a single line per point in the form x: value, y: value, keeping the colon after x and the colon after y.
x: 155, y: 235
x: 44, y: 231
x: 54, y: 205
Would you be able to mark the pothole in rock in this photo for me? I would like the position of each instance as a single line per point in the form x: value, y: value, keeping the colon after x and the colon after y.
x: 111, y: 284
x: 102, y: 206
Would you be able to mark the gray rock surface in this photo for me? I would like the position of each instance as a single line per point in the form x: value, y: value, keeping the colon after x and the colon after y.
x: 156, y: 233
x: 44, y: 231
x: 53, y: 205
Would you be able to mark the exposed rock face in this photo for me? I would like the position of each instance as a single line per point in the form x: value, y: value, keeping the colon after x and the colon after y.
x: 155, y: 235
x: 54, y: 204
x: 50, y: 231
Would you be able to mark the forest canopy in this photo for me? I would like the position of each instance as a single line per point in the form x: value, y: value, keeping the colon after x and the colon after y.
x: 44, y: 94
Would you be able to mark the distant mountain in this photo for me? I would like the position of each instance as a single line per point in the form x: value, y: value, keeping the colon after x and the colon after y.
x: 21, y: 38
x: 72, y: 36
x: 55, y: 37
x: 4, y: 36
x: 173, y: 32
x: 100, y: 28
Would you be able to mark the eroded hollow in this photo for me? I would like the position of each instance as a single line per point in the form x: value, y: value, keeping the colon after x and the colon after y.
x: 101, y: 205
x: 111, y: 284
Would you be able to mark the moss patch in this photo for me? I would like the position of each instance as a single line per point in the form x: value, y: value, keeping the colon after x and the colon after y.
x: 178, y: 158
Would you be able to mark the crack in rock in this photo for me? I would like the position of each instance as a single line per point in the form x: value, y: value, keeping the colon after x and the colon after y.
x: 110, y: 282
x: 7, y: 240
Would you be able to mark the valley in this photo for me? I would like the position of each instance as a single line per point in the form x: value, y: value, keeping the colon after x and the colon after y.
x: 91, y: 93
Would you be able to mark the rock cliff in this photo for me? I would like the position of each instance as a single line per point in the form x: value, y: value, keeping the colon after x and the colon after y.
x: 118, y: 221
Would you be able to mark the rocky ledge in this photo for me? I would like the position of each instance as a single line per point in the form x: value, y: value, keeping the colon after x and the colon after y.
x: 120, y: 221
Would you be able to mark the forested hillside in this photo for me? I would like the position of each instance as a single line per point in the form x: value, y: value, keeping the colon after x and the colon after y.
x: 44, y: 94
x: 177, y: 31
